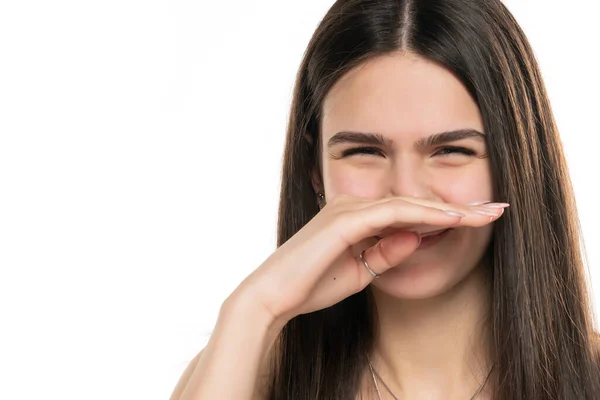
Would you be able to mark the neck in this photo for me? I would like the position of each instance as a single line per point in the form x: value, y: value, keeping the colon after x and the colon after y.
x: 435, y: 348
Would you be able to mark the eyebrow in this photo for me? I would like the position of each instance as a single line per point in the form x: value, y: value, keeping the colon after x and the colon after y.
x: 380, y: 140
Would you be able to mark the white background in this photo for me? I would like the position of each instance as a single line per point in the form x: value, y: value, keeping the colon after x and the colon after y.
x: 140, y: 147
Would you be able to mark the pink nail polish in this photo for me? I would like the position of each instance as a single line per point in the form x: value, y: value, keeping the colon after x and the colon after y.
x: 478, y: 203
x: 496, y: 205
x: 418, y: 237
x: 488, y: 213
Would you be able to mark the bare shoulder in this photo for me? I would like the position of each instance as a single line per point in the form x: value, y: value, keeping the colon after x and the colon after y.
x: 185, y: 377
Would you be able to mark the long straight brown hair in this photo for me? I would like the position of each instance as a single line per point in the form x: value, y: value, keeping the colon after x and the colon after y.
x: 541, y: 319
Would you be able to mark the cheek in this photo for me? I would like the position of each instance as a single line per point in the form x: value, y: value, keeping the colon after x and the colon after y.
x: 342, y: 179
x: 476, y: 185
x: 455, y: 185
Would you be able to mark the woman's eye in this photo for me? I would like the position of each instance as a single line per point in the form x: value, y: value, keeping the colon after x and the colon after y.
x: 444, y: 151
x: 374, y: 151
x: 362, y: 150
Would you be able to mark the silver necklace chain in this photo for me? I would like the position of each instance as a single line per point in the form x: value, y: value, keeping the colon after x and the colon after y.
x: 374, y: 373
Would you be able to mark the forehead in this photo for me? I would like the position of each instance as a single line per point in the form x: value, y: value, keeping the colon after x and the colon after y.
x: 399, y: 95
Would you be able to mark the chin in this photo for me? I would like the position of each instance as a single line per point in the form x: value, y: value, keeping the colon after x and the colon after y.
x: 438, y: 269
x: 411, y: 283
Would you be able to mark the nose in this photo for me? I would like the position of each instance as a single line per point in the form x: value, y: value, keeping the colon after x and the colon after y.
x: 408, y: 179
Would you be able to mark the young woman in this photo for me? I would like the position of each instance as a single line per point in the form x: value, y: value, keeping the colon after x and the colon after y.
x: 428, y: 236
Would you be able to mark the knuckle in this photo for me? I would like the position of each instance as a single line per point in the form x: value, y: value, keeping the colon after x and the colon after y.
x: 386, y: 261
x: 344, y: 225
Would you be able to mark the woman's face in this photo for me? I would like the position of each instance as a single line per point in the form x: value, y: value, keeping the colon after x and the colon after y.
x: 403, y: 99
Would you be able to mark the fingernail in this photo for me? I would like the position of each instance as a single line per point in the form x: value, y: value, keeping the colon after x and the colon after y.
x: 454, y: 213
x: 488, y: 213
x: 418, y: 237
x: 496, y: 205
x: 478, y: 203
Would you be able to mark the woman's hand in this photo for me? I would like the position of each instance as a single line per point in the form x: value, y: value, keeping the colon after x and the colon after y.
x: 318, y: 267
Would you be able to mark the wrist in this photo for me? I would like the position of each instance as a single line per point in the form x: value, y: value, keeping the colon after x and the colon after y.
x: 241, y: 314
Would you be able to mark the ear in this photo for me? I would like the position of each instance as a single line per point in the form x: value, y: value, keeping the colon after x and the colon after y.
x: 316, y: 180
x: 315, y: 173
